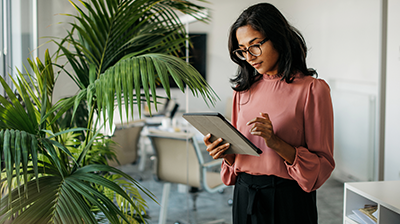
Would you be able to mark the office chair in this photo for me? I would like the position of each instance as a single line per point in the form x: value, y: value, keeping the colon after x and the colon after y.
x: 179, y: 160
x: 127, y: 137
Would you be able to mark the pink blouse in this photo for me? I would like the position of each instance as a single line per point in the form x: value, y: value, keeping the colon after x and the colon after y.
x: 302, y: 115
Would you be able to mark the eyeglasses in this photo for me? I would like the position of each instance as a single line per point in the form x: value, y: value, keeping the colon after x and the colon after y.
x: 254, y: 50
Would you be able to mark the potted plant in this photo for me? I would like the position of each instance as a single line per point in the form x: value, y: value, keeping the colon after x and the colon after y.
x: 116, y: 49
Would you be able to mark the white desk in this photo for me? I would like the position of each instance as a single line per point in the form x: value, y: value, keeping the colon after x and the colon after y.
x: 384, y: 194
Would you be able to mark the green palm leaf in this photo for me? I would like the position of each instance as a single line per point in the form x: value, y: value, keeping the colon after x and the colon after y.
x: 57, y: 202
x: 12, y: 113
x: 146, y: 68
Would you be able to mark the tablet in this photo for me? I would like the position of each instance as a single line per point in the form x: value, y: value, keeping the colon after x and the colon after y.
x: 216, y: 124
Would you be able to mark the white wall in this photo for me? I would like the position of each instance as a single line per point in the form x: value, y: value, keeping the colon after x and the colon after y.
x: 52, y: 24
x: 392, y: 148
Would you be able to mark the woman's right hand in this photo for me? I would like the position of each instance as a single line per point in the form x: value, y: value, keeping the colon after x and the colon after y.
x: 216, y: 150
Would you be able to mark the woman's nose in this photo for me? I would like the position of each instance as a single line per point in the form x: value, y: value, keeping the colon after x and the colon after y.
x: 249, y: 56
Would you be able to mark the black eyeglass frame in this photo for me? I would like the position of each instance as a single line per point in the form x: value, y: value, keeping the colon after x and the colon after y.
x: 247, y: 49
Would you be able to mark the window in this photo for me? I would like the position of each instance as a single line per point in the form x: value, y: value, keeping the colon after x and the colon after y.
x: 18, y: 36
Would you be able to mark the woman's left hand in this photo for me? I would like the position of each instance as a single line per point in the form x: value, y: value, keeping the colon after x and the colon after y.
x: 262, y: 127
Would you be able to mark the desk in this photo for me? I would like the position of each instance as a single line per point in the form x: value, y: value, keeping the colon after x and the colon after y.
x: 384, y: 194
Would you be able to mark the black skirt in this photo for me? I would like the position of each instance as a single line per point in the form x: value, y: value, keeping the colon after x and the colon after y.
x: 272, y: 200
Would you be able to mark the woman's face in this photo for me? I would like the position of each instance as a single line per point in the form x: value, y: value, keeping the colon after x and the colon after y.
x: 267, y: 62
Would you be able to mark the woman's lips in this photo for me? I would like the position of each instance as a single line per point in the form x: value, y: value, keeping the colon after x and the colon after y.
x: 256, y: 65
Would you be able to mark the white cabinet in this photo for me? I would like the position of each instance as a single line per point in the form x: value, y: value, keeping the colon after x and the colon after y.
x: 384, y: 194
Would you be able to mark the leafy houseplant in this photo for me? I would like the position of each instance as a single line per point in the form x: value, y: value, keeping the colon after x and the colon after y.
x: 117, y: 49
x: 47, y: 178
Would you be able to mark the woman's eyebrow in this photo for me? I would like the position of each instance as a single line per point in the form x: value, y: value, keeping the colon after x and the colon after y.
x: 251, y: 41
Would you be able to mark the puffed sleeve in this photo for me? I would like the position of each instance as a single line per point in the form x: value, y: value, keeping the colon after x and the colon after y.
x: 314, y: 163
x: 228, y: 174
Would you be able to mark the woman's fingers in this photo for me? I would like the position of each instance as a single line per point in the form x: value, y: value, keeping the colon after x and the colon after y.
x: 258, y: 128
x: 210, y: 145
x: 206, y: 139
x: 219, y: 151
x: 262, y: 126
x: 214, y: 144
x: 263, y: 119
x: 257, y: 120
x: 265, y: 115
x: 214, y: 148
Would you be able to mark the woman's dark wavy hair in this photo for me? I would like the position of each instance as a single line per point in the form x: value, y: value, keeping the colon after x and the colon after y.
x: 287, y: 40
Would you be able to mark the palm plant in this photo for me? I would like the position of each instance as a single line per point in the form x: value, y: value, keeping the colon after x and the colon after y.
x: 119, y: 48
x: 47, y: 178
x: 118, y: 51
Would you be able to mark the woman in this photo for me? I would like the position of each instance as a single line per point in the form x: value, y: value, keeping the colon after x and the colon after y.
x: 286, y: 112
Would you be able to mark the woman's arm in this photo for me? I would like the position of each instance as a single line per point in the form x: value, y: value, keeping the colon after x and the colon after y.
x: 314, y: 162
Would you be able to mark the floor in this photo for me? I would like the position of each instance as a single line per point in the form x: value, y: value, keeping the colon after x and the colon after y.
x: 214, y: 208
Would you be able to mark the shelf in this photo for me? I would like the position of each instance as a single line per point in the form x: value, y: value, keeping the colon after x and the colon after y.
x: 384, y: 194
x: 350, y: 221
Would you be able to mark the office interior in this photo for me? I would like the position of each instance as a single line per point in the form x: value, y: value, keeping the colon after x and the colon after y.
x: 353, y: 44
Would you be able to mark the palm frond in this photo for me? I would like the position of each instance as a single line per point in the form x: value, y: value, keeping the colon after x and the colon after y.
x: 13, y: 113
x: 142, y: 71
x: 52, y: 202
x: 114, y: 46
x: 132, y: 213
x: 56, y: 202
